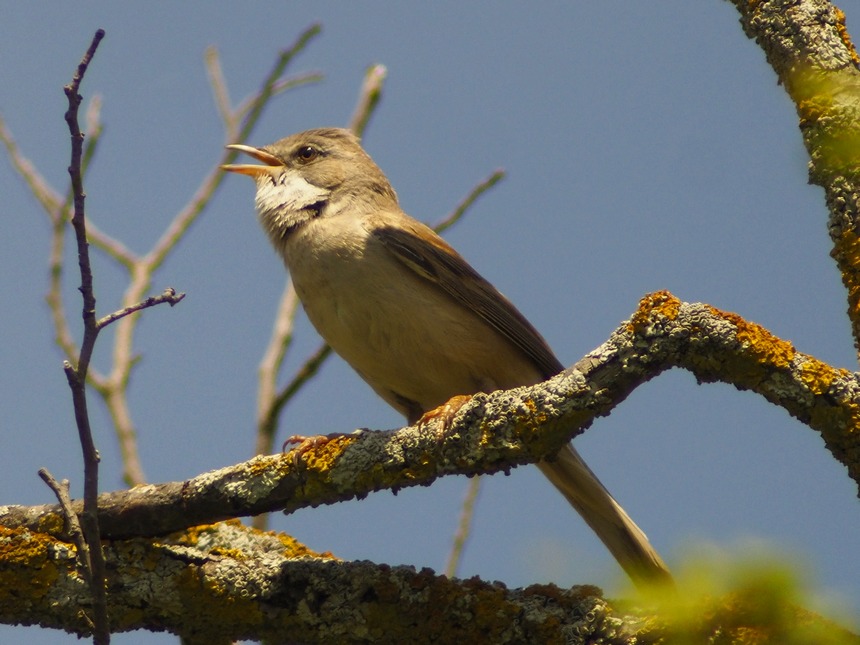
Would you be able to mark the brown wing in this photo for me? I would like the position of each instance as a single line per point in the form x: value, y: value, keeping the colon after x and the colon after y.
x: 429, y: 256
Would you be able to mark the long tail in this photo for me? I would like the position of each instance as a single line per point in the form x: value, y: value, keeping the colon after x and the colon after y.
x: 626, y: 541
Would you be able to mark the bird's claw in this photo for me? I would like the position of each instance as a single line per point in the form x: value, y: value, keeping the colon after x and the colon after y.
x: 445, y: 413
x: 307, y: 443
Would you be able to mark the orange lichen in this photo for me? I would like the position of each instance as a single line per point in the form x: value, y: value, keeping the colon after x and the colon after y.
x: 295, y: 549
x: 263, y: 465
x: 836, y: 422
x: 292, y: 547
x: 533, y: 419
x: 827, y: 416
x: 51, y: 523
x: 191, y: 535
x: 528, y: 423
x: 818, y: 375
x: 847, y: 253
x: 323, y: 455
x: 757, y: 341
x: 660, y: 304
x: 845, y: 37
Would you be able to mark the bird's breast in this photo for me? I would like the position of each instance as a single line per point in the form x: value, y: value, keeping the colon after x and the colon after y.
x: 402, y: 333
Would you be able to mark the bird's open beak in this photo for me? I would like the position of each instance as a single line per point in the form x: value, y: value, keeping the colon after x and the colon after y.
x: 273, y: 164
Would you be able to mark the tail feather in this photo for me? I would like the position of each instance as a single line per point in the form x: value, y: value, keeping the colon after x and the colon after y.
x: 626, y: 541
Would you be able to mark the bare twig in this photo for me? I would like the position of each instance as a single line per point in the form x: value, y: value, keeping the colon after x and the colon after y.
x: 59, y: 217
x: 267, y: 90
x: 468, y: 200
x: 369, y: 96
x: 73, y: 526
x: 48, y: 198
x: 169, y: 296
x: 307, y: 371
x: 270, y: 366
x: 218, y: 84
x: 112, y: 387
x: 279, y: 87
x: 77, y: 376
x: 464, y: 527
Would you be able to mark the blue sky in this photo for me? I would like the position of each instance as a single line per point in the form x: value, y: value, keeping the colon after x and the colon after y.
x: 647, y: 145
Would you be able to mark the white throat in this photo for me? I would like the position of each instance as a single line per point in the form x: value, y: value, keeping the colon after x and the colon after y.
x: 289, y: 192
x: 285, y: 203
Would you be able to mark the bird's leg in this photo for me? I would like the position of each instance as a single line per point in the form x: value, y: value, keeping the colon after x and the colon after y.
x: 445, y: 413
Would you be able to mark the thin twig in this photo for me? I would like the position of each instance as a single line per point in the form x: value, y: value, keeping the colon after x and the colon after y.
x: 267, y: 89
x: 218, y: 84
x: 73, y: 526
x: 207, y: 188
x: 307, y: 371
x: 464, y: 527
x: 369, y: 97
x: 270, y: 366
x: 307, y: 78
x: 469, y: 199
x: 77, y: 376
x: 169, y: 296
x: 49, y: 199
x: 59, y: 218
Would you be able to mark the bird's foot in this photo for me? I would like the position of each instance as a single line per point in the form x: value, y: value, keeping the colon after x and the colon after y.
x: 308, y: 443
x: 445, y: 413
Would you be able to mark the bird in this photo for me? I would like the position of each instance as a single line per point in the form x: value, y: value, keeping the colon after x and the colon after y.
x: 407, y: 312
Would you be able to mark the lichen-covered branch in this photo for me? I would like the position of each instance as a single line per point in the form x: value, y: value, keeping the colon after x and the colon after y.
x: 808, y: 45
x: 722, y: 346
x: 226, y: 582
x: 495, y: 432
x: 220, y: 583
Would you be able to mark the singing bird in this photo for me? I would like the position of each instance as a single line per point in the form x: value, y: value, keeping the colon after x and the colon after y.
x: 406, y: 311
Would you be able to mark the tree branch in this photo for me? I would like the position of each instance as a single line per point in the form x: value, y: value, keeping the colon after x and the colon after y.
x: 77, y: 376
x: 226, y: 582
x: 169, y: 296
x: 495, y: 432
x: 809, y: 48
x: 369, y: 97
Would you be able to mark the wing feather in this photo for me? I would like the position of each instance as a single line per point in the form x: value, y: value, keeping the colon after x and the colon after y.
x: 425, y: 253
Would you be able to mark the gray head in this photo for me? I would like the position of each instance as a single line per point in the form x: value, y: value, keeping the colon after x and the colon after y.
x: 316, y: 173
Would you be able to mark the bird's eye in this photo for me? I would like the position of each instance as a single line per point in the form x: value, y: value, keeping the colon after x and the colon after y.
x: 307, y: 153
